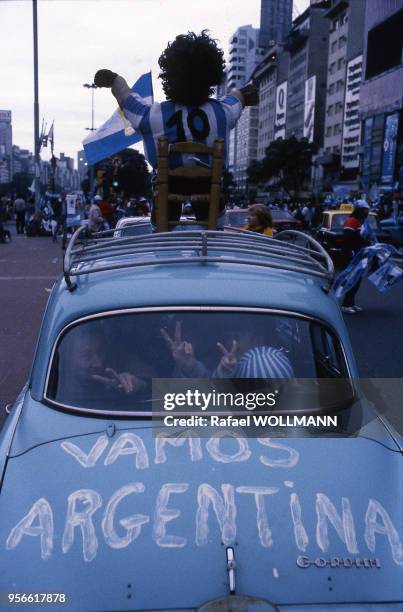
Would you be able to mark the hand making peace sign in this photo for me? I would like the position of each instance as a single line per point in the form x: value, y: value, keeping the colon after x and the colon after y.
x: 182, y: 351
x: 229, y: 358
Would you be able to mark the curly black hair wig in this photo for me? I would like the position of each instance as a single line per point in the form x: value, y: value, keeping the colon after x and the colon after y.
x: 191, y: 66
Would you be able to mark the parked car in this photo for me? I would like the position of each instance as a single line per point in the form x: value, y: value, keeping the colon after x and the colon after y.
x: 282, y: 219
x: 102, y: 509
x: 133, y: 226
x: 330, y: 231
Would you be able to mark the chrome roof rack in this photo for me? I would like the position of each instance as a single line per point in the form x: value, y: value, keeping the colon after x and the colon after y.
x: 100, y: 252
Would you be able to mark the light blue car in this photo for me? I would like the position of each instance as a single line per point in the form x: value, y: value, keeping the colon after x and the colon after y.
x: 107, y: 505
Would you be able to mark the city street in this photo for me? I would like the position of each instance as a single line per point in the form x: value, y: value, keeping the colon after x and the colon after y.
x: 28, y: 267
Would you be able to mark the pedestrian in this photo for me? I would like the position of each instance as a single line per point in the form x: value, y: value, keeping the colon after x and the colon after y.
x: 260, y: 220
x: 307, y: 214
x: 353, y: 242
x: 95, y: 220
x: 191, y: 66
x: 57, y: 221
x: 107, y: 209
x: 20, y: 208
x: 3, y: 205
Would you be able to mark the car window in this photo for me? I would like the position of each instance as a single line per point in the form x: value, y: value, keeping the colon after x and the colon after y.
x: 109, y: 363
x: 237, y: 219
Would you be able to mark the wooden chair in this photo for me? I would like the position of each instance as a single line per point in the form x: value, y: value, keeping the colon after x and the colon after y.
x: 163, y: 197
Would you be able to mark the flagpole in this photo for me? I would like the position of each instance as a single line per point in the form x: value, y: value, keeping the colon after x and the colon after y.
x: 36, y: 106
x: 91, y: 86
x: 53, y: 161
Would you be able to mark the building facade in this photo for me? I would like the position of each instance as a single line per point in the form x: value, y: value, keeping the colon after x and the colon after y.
x: 6, y: 147
x: 381, y: 97
x: 341, y: 146
x: 307, y: 45
x: 275, y: 21
x: 244, y: 55
x: 271, y: 75
x: 66, y: 177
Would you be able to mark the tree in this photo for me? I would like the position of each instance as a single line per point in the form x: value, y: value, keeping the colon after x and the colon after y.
x: 287, y: 160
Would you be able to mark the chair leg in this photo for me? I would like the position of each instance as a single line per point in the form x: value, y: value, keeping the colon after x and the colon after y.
x: 161, y: 208
x: 215, y: 195
x: 161, y: 203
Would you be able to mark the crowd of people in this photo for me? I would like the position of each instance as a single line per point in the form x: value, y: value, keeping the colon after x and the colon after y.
x: 51, y: 219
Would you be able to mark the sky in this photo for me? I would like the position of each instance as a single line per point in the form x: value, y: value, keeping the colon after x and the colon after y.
x: 77, y: 37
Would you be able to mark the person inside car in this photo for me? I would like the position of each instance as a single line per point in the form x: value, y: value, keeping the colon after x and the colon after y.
x: 86, y: 376
x: 260, y: 220
x: 245, y: 354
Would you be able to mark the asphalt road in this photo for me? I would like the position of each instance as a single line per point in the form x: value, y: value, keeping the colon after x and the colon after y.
x: 28, y: 267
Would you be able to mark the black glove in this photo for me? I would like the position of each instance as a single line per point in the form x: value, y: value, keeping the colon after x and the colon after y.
x: 104, y: 78
x: 250, y: 95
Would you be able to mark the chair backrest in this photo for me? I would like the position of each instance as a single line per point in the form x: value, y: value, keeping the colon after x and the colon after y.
x: 199, y: 170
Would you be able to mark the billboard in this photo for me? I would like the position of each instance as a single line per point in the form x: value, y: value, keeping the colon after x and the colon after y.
x: 389, y: 149
x: 367, y: 151
x: 281, y: 111
x: 351, y: 122
x: 309, y: 111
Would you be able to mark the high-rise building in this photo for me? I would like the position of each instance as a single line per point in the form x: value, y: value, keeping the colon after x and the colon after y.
x: 244, y: 55
x: 381, y: 97
x: 270, y: 75
x: 275, y: 21
x: 342, y: 124
x: 305, y: 90
x: 6, y: 147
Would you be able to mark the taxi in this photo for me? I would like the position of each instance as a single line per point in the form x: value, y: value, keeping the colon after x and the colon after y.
x: 331, y: 228
x: 106, y: 507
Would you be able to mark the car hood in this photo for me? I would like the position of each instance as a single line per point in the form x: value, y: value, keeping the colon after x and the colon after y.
x: 122, y: 520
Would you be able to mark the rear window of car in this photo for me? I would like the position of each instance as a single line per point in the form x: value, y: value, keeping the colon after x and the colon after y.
x: 108, y: 363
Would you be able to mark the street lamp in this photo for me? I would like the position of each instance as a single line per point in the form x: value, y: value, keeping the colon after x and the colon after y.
x: 91, y: 86
x: 36, y: 106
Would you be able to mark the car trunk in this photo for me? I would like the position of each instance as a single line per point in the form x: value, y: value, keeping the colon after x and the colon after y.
x: 121, y: 520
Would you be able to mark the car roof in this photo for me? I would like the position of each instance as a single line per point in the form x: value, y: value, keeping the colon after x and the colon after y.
x: 227, y: 280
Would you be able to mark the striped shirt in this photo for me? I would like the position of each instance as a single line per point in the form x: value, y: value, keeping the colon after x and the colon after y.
x: 179, y: 123
x: 263, y: 362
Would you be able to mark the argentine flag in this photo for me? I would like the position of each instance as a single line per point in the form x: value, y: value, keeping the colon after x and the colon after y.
x: 117, y: 133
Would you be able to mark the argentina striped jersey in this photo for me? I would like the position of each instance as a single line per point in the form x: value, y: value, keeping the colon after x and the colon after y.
x: 263, y: 362
x: 179, y: 123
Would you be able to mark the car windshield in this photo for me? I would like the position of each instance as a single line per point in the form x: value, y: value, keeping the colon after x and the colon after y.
x: 338, y: 221
x: 109, y: 363
x: 237, y: 218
